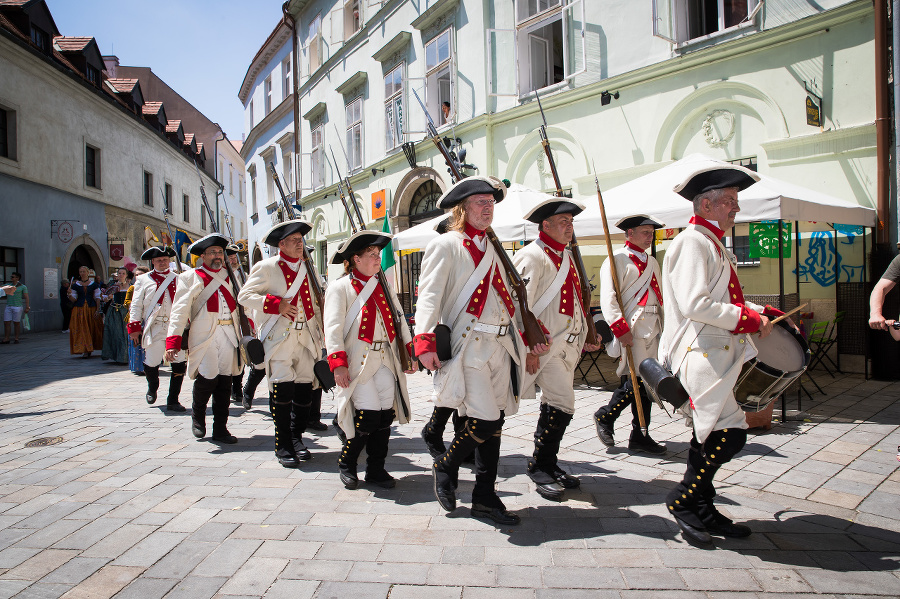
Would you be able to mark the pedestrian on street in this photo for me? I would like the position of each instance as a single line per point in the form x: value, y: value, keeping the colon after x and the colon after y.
x: 361, y: 342
x: 86, y: 326
x: 115, y: 335
x: 17, y: 305
x: 135, y: 351
x: 205, y: 297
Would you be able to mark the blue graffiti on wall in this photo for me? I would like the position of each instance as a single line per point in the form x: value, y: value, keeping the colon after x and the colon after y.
x: 822, y: 262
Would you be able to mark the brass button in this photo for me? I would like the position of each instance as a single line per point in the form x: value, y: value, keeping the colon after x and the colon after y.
x: 726, y: 348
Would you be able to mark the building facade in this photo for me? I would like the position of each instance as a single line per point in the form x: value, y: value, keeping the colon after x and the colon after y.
x: 87, y: 161
x: 628, y: 86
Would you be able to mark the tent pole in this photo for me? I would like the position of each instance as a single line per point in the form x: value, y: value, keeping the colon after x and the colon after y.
x: 781, y: 305
x: 865, y: 281
x: 837, y: 281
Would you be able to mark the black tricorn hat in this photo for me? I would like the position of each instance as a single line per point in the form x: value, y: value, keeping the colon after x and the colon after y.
x: 630, y: 222
x: 551, y: 207
x: 360, y: 241
x: 157, y: 252
x: 202, y: 244
x: 282, y: 230
x: 716, y: 177
x: 232, y: 248
x: 471, y: 186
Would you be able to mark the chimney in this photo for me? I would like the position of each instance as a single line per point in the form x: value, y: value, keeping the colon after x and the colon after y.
x: 111, y: 62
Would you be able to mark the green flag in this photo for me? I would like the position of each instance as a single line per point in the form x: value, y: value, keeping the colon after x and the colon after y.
x: 387, y: 254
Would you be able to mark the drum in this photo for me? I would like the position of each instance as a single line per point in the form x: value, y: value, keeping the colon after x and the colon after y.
x: 782, y: 357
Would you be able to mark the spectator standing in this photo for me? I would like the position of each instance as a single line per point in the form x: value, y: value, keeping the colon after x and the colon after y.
x: 17, y: 304
x: 135, y: 350
x: 115, y: 337
x: 86, y: 328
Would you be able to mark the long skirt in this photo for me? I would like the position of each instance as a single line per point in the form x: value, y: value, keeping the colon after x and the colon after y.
x: 135, y: 357
x: 85, y: 330
x: 115, y: 337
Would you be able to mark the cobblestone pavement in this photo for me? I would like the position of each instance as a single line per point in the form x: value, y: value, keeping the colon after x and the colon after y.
x: 129, y: 504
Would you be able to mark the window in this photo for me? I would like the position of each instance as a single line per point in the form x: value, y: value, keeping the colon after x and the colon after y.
x: 168, y: 198
x: 287, y: 166
x: 231, y: 180
x: 251, y: 114
x: 148, y: 189
x: 40, y: 39
x: 352, y: 20
x: 438, y: 88
x: 267, y: 90
x: 91, y: 166
x: 185, y: 208
x: 202, y: 218
x: 7, y: 133
x: 286, y: 89
x: 740, y: 247
x: 322, y: 257
x: 9, y: 263
x: 317, y: 160
x: 680, y: 21
x: 241, y: 190
x: 393, y: 108
x: 354, y: 134
x: 92, y: 74
x: 253, y: 209
x: 546, y: 48
x: 314, y: 44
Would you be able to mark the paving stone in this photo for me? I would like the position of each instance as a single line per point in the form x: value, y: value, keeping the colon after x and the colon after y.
x: 147, y: 588
x: 197, y: 587
x: 149, y: 550
x: 717, y: 579
x: 38, y: 566
x: 652, y: 578
x: 254, y: 577
x: 43, y: 590
x: 302, y: 589
x: 403, y: 591
x: 106, y: 582
x: 181, y: 560
x: 583, y: 578
x: 317, y: 569
x: 342, y: 590
x: 493, y: 593
x: 227, y: 558
x: 75, y: 570
x: 394, y: 573
x: 863, y: 583
x: 781, y: 581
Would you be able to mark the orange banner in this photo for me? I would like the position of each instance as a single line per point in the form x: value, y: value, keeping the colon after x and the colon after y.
x: 379, y: 202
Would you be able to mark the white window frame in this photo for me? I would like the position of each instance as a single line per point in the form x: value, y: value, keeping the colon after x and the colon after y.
x: 317, y: 157
x: 571, y: 15
x: 671, y: 21
x: 314, y: 47
x: 254, y: 210
x: 349, y: 31
x: 267, y: 94
x: 355, y: 154
x: 185, y: 207
x: 287, y: 165
x: 286, y: 88
x: 394, y: 120
x: 433, y: 97
x: 250, y: 109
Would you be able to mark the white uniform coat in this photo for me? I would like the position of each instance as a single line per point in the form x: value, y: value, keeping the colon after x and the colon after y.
x: 207, y: 337
x: 446, y: 267
x: 283, y: 342
x: 645, y: 322
x: 154, y: 322
x: 363, y: 361
x: 534, y: 264
x: 712, y: 359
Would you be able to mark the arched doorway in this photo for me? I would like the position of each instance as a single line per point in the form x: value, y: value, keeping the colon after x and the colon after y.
x: 85, y: 253
x: 422, y: 207
x: 257, y: 255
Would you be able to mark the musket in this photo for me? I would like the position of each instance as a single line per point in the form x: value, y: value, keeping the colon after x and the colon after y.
x: 534, y: 334
x: 178, y: 268
x: 251, y: 347
x: 397, y: 318
x: 313, y: 278
x: 629, y: 358
x: 232, y: 236
x: 591, y: 338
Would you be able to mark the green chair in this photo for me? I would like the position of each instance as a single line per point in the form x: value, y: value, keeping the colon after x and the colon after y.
x: 822, y: 338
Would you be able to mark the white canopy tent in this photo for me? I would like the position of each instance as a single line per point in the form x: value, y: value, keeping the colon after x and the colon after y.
x: 769, y: 199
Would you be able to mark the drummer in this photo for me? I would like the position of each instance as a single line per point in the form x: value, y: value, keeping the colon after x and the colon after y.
x: 705, y: 341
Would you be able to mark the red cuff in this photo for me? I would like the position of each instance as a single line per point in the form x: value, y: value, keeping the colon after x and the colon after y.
x: 620, y: 327
x: 134, y: 327
x: 173, y: 342
x: 337, y: 359
x: 424, y: 343
x: 270, y: 306
x: 772, y: 312
x: 749, y: 321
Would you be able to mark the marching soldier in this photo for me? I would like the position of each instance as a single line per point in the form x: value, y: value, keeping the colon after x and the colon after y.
x: 361, y: 342
x: 206, y: 298
x: 554, y: 291
x: 464, y: 287
x: 151, y: 307
x: 290, y: 326
x: 232, y: 251
x: 639, y: 327
x: 705, y: 343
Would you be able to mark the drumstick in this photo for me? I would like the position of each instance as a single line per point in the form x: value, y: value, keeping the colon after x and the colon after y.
x: 786, y: 314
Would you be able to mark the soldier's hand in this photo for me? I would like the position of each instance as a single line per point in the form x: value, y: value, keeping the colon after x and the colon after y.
x: 765, y: 326
x: 430, y: 361
x: 877, y: 322
x: 170, y: 355
x: 541, y: 348
x: 135, y: 338
x: 588, y: 348
x: 532, y: 363
x: 342, y: 377
x: 627, y: 340
x: 287, y: 310
x: 414, y: 368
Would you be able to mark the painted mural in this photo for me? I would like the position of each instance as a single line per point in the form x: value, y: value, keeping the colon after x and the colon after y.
x: 823, y: 264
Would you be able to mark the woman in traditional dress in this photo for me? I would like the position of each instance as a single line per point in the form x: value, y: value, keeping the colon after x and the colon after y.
x: 362, y: 352
x: 135, y: 350
x: 86, y: 326
x: 115, y: 337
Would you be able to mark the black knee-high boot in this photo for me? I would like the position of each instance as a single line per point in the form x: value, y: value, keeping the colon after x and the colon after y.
x: 377, y: 450
x: 446, y: 466
x: 254, y: 378
x: 299, y: 417
x: 220, y: 406
x: 365, y: 422
x: 543, y: 468
x: 723, y: 444
x: 485, y: 502
x: 433, y: 432
x: 605, y: 417
x: 314, y: 420
x: 237, y: 392
x: 178, y: 370
x: 203, y: 390
x: 638, y: 441
x: 152, y: 374
x: 280, y: 405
